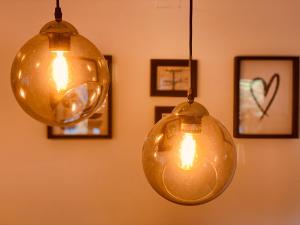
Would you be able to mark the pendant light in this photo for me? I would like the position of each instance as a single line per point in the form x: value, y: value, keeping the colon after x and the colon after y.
x: 59, y: 77
x: 189, y: 157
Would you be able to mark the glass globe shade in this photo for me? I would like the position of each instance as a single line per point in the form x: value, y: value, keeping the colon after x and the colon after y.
x: 189, y: 157
x: 59, y: 77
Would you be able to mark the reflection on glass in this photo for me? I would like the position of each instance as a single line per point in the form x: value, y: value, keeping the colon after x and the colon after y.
x: 249, y: 112
x: 22, y: 93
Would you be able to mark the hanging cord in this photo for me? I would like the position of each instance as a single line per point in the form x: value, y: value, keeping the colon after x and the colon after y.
x: 58, y: 12
x: 190, y: 95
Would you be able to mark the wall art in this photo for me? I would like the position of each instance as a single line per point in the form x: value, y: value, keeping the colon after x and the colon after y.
x: 99, y: 125
x: 266, y: 97
x: 171, y: 77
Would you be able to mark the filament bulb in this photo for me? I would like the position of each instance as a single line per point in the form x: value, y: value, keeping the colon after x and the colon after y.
x: 187, y: 152
x: 60, y: 71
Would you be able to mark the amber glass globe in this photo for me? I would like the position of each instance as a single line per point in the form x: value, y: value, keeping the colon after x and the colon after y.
x: 59, y: 77
x: 189, y: 157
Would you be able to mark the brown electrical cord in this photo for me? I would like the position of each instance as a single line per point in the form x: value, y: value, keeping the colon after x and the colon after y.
x: 58, y: 12
x: 190, y: 95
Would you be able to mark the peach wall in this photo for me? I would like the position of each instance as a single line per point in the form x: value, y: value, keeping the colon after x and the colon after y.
x: 101, y: 182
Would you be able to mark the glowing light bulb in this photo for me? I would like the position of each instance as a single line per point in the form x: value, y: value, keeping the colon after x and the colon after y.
x: 187, y: 152
x: 60, y: 71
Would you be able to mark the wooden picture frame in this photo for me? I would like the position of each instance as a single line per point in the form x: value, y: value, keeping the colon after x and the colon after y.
x: 161, y: 111
x: 171, y: 77
x: 63, y: 133
x: 266, y: 97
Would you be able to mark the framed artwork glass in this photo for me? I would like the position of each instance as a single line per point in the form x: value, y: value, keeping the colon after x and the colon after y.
x: 266, y: 97
x: 162, y: 111
x: 99, y: 125
x: 171, y: 77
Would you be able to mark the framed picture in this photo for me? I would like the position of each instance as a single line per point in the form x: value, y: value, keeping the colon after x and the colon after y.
x: 162, y: 111
x: 171, y: 77
x: 99, y: 125
x: 266, y: 96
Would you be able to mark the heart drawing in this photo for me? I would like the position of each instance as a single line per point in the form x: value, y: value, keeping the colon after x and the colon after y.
x: 275, y: 79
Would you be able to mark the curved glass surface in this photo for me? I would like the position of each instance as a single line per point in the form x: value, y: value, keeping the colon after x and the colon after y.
x: 189, y: 157
x: 59, y: 77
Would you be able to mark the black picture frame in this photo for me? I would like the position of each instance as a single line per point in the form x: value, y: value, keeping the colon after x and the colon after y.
x: 238, y: 60
x: 156, y: 63
x: 108, y: 135
x: 160, y: 110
